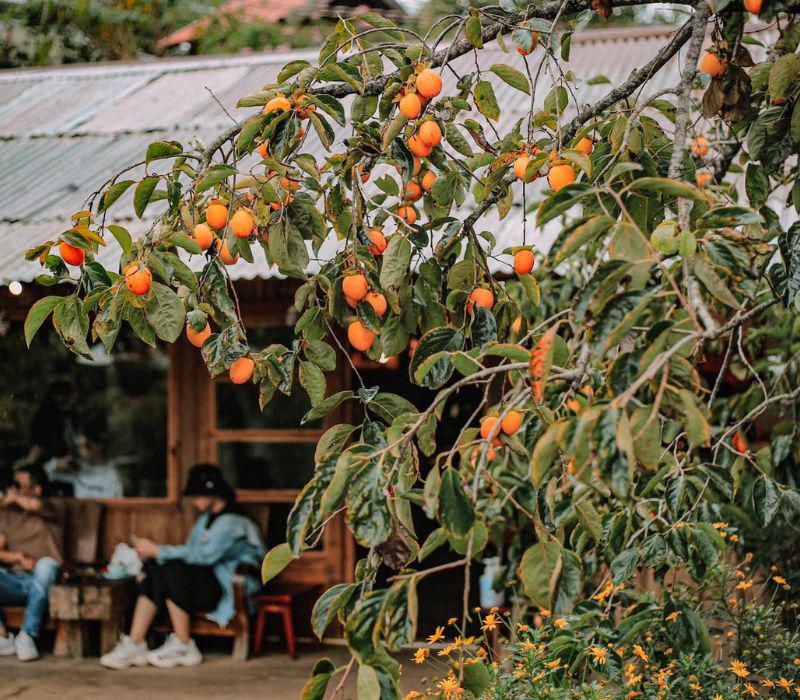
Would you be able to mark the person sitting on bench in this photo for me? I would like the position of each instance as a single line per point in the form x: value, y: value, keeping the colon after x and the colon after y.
x: 31, y: 542
x: 193, y: 577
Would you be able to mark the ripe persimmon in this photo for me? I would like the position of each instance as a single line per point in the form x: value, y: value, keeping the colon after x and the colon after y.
x: 516, y: 325
x: 412, y: 192
x: 242, y: 370
x: 560, y: 176
x: 417, y: 166
x: 277, y: 104
x: 699, y: 146
x: 523, y: 261
x: 217, y: 215
x: 430, y: 133
x: 242, y: 223
x: 488, y: 427
x: 427, y: 180
x: 410, y: 105
x: 203, y: 236
x: 225, y: 254
x: 712, y: 65
x: 289, y: 184
x: 70, y: 254
x: 429, y: 84
x: 360, y: 337
x: 585, y: 145
x: 138, y: 278
x: 521, y: 165
x: 412, y: 346
x: 511, y: 422
x: 480, y: 296
x: 753, y: 6
x: 262, y: 149
x: 197, y: 338
x: 378, y: 241
x: 377, y: 301
x: 407, y: 214
x: 418, y: 147
x: 739, y: 443
x: 355, y: 286
x: 703, y: 179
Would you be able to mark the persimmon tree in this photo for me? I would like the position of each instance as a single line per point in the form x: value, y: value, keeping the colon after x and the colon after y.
x: 624, y: 372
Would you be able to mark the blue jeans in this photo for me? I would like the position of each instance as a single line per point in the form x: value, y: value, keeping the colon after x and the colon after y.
x: 30, y: 589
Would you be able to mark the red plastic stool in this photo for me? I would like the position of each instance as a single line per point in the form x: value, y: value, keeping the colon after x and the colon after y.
x: 278, y: 603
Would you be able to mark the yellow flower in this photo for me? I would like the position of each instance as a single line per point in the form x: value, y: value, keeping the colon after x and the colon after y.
x: 599, y: 655
x: 553, y: 664
x: 779, y: 580
x: 523, y: 628
x: 437, y: 635
x: 784, y: 683
x: 447, y: 650
x: 529, y: 646
x: 633, y: 680
x: 695, y: 686
x: 673, y: 616
x: 750, y: 689
x: 797, y: 661
x: 413, y: 695
x: 767, y: 683
x: 489, y: 622
x: 638, y: 651
x: 560, y: 623
x: 738, y: 668
x: 734, y: 538
x: 718, y: 697
x: 452, y: 621
x: 448, y: 685
x: 743, y: 585
x: 421, y: 654
x: 545, y: 613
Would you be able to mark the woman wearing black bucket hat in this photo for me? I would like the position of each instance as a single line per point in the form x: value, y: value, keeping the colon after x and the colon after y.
x: 188, y: 578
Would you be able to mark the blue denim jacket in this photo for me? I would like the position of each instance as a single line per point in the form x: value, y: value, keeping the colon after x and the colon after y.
x: 230, y: 540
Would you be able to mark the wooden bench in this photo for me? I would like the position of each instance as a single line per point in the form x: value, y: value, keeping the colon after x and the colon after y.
x: 82, y: 525
x: 238, y: 628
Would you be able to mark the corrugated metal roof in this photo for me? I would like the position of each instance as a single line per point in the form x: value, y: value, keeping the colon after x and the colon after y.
x: 64, y: 131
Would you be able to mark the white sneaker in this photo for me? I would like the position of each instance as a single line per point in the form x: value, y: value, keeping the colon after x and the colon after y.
x: 127, y: 653
x: 7, y: 647
x: 173, y: 652
x: 25, y: 647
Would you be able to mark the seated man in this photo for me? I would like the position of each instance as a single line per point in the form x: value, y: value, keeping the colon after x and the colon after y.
x: 193, y: 577
x: 31, y: 540
x: 96, y: 476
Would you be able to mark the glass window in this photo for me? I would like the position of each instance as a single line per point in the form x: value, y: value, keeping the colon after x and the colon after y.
x: 237, y: 409
x: 267, y: 465
x: 98, y: 427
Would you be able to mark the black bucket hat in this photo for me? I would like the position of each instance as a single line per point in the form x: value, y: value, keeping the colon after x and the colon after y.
x: 207, y: 480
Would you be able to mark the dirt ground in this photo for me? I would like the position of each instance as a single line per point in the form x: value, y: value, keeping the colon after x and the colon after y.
x: 273, y: 676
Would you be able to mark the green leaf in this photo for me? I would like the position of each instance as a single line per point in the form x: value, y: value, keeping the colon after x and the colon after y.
x: 474, y: 32
x: 368, y: 686
x: 455, y: 508
x: 756, y: 185
x: 485, y: 100
x: 122, y: 236
x: 162, y: 149
x: 396, y: 259
x: 312, y: 380
x: 142, y: 194
x: 329, y: 604
x: 367, y: 509
x: 215, y: 175
x: 587, y: 232
x: 113, y: 193
x: 512, y: 76
x: 695, y: 423
x: 624, y: 564
x: 165, y: 313
x: 275, y: 561
x: 315, y: 686
x: 766, y: 500
x: 590, y: 520
x: 539, y: 570
x: 476, y: 679
x: 326, y: 405
x: 674, y: 188
x: 714, y: 283
x: 37, y: 315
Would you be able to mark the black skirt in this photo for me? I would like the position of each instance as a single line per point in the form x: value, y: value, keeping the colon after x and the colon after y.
x: 191, y: 587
